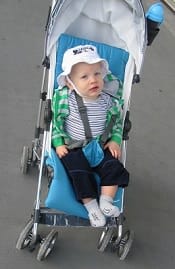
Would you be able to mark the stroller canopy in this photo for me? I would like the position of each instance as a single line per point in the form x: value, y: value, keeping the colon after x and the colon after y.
x: 119, y: 23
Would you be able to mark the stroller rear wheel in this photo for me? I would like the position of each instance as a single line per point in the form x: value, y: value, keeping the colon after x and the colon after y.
x: 25, y: 236
x: 47, y: 245
x: 125, y: 244
x: 25, y: 160
x: 105, y: 238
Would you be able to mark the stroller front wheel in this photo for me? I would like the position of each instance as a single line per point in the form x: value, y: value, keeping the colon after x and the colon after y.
x: 125, y: 244
x: 105, y: 238
x: 25, y: 236
x: 47, y: 245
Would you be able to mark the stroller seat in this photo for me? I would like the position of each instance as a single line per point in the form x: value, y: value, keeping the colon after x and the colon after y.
x: 61, y: 195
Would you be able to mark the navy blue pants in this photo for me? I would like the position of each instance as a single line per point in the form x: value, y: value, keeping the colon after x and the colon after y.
x: 111, y: 172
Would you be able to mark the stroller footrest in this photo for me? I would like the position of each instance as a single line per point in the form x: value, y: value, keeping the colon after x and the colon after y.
x: 56, y: 218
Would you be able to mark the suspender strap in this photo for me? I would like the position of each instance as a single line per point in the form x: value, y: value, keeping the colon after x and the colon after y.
x: 84, y: 117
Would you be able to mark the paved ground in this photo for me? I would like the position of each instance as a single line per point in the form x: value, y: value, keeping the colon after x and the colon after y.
x: 170, y: 4
x: 149, y: 199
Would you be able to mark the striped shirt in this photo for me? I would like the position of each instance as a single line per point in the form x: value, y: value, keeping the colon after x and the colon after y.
x: 96, y: 112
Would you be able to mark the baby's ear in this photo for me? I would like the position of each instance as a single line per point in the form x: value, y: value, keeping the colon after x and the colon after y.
x: 68, y: 84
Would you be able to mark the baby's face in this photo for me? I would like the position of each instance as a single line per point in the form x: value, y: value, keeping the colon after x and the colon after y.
x: 88, y: 79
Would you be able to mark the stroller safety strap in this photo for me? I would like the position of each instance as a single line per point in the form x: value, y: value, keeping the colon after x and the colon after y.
x: 84, y: 118
x: 92, y: 151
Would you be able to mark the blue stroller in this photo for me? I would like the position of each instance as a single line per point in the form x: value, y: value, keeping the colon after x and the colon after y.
x: 118, y: 29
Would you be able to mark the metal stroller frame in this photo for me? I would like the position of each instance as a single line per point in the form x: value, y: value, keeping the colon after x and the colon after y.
x: 113, y: 233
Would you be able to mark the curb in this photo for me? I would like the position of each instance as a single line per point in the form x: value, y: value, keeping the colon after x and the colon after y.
x: 170, y: 4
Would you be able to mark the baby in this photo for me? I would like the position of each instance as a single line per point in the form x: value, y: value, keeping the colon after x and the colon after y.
x: 83, y: 76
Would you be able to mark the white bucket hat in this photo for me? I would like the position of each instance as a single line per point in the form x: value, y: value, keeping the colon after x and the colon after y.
x: 83, y: 53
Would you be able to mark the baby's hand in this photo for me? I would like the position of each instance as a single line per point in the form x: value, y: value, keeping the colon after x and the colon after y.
x: 114, y: 148
x: 61, y: 151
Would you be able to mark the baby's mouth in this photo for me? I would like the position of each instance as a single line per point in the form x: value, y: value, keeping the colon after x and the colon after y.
x: 94, y: 89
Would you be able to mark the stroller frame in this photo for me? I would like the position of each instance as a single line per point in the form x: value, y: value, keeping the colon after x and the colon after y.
x: 113, y: 233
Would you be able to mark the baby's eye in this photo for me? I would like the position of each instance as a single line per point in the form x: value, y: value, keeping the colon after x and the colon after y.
x: 84, y: 77
x: 98, y: 73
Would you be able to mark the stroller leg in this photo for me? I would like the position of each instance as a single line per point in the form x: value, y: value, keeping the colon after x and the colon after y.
x: 35, y: 237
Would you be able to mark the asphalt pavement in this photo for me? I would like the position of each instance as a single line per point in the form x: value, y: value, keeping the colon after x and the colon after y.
x: 150, y: 198
x: 170, y: 4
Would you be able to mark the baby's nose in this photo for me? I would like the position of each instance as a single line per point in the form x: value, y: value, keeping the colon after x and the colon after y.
x: 93, y: 78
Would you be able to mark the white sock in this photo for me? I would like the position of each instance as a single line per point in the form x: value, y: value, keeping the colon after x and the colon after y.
x: 107, y: 207
x: 96, y: 217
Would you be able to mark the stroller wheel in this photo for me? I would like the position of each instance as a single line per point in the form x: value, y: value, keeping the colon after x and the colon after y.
x: 25, y: 236
x: 105, y: 238
x: 125, y: 244
x: 25, y: 160
x: 47, y: 245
